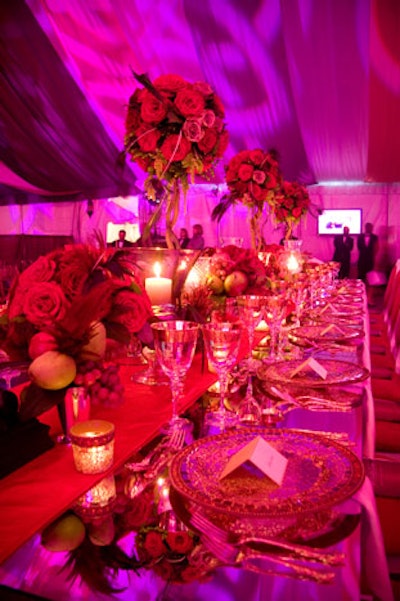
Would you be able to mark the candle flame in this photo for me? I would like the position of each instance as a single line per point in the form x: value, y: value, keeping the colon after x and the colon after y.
x: 157, y: 269
x: 292, y: 263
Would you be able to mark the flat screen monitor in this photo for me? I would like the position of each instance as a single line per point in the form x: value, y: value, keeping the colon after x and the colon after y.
x: 332, y: 221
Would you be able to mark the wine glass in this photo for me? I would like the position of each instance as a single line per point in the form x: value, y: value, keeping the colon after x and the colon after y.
x: 274, y: 311
x: 251, y: 310
x: 222, y: 342
x: 175, y: 344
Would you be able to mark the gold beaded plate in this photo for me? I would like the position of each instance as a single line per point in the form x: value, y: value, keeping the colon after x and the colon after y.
x: 320, y: 473
x: 308, y: 335
x: 338, y: 372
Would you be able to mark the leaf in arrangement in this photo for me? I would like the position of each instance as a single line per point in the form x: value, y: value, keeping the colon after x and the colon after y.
x: 35, y: 400
x: 222, y: 207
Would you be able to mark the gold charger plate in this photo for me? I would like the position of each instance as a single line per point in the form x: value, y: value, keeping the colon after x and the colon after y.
x: 307, y: 335
x: 333, y: 310
x: 356, y: 321
x: 320, y: 473
x: 338, y: 372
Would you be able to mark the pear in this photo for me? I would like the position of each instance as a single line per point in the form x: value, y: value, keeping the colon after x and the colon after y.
x: 52, y: 370
x: 64, y: 534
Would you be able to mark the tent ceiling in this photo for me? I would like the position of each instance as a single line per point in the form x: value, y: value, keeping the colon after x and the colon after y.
x: 317, y: 80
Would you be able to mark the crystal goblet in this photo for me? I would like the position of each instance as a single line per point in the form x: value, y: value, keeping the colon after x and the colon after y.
x: 274, y: 311
x: 222, y: 342
x: 251, y: 311
x: 175, y: 344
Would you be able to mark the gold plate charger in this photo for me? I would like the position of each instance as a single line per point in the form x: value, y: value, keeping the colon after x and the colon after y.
x: 308, y: 335
x: 338, y: 372
x: 347, y: 320
x: 337, y: 310
x: 320, y: 473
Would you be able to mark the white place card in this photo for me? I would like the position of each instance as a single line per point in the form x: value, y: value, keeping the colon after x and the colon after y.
x: 312, y: 364
x: 263, y: 456
x: 332, y: 328
x: 330, y: 307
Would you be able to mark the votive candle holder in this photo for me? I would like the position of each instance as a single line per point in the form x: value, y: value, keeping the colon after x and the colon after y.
x: 93, y: 446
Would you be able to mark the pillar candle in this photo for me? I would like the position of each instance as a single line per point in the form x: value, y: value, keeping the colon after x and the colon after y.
x: 159, y: 289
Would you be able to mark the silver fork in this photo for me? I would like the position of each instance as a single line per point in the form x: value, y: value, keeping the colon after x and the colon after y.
x: 201, y: 523
x: 249, y: 559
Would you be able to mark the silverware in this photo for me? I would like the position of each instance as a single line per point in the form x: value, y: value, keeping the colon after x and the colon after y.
x: 296, y: 551
x: 252, y: 560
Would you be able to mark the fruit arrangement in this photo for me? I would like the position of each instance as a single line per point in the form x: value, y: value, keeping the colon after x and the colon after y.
x: 235, y: 271
x: 102, y: 383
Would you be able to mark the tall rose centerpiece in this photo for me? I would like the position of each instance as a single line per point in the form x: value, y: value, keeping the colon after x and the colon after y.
x: 290, y: 205
x: 174, y: 131
x: 253, y: 178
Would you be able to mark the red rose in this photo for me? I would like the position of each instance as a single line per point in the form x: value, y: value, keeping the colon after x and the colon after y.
x: 245, y: 172
x: 153, y: 544
x: 169, y: 83
x: 203, y: 87
x: 240, y: 188
x: 208, y: 118
x: 190, y: 102
x: 42, y: 270
x: 152, y: 109
x: 147, y: 138
x: 143, y: 162
x: 44, y: 304
x: 175, y: 148
x: 208, y: 141
x: 164, y: 570
x: 258, y: 192
x: 131, y: 309
x: 192, y: 130
x: 257, y: 156
x: 297, y: 212
x: 259, y: 176
x: 179, y: 542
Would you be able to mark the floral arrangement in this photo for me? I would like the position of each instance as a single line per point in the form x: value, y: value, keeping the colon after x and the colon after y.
x: 64, y: 312
x: 290, y: 205
x: 234, y: 271
x: 174, y: 130
x: 172, y: 555
x: 253, y: 178
x: 99, y: 543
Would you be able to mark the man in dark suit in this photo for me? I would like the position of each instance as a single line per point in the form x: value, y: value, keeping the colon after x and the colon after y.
x: 343, y: 246
x: 367, y: 245
x: 121, y: 242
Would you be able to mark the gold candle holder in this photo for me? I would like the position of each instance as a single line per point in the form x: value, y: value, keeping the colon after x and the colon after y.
x: 99, y: 500
x: 93, y: 446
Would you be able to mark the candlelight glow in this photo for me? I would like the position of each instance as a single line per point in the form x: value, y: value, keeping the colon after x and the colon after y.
x: 292, y: 263
x: 157, y: 269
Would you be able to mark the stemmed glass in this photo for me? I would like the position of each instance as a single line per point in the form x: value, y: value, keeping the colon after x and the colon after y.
x: 222, y: 342
x: 175, y: 344
x: 274, y: 311
x: 251, y: 310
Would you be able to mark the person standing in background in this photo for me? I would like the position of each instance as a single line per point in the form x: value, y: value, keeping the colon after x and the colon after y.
x: 343, y: 246
x: 183, y: 238
x: 367, y: 245
x: 197, y: 240
x: 121, y: 242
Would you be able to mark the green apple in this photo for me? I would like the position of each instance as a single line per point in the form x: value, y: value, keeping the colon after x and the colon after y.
x: 236, y: 283
x: 215, y: 284
x: 64, y: 534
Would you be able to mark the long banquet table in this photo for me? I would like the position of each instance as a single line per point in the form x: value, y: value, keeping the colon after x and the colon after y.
x: 37, y: 493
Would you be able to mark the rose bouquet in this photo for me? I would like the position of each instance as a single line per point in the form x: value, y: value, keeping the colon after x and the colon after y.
x: 174, y: 130
x: 253, y: 178
x: 63, y: 312
x: 289, y: 205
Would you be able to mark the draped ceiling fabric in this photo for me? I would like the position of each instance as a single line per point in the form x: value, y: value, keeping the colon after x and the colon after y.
x: 318, y: 80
